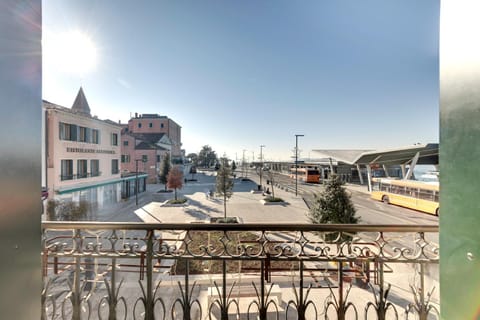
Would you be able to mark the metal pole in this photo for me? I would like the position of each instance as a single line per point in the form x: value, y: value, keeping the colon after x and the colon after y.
x: 296, y: 165
x: 261, y: 165
x: 244, y: 165
x: 296, y: 162
x: 136, y: 182
x: 150, y: 304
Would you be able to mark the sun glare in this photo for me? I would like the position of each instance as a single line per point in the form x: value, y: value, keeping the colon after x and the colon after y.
x: 70, y: 52
x: 459, y: 27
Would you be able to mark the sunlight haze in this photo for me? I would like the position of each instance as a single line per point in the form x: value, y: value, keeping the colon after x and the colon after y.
x: 239, y: 74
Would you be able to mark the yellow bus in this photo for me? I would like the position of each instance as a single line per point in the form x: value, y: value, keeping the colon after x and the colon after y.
x: 417, y: 195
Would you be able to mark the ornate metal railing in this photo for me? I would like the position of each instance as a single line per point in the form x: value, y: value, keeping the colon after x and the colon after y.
x: 216, y: 271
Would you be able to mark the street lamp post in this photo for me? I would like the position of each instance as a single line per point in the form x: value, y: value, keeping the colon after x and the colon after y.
x: 244, y: 165
x: 136, y: 179
x: 296, y: 162
x: 261, y: 165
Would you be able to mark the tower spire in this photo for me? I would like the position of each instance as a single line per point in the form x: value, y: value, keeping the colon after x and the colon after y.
x: 80, y: 105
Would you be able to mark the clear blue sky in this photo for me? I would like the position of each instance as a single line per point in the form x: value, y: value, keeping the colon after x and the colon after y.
x: 240, y: 74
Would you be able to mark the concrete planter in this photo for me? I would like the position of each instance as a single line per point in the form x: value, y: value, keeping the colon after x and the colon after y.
x: 236, y: 219
x: 268, y: 203
x: 167, y: 205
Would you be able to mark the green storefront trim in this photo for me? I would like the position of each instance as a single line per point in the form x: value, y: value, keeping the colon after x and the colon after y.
x: 101, y: 184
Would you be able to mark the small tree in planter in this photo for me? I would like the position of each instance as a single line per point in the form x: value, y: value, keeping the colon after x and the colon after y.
x: 272, y: 198
x: 333, y: 205
x: 164, y: 170
x: 224, y: 184
x: 175, y: 180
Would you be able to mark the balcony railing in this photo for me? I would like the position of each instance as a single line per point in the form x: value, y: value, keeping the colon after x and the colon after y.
x: 80, y: 175
x: 249, y: 271
x: 67, y: 177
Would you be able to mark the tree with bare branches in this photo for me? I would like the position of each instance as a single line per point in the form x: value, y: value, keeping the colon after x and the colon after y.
x: 175, y: 180
x: 224, y: 183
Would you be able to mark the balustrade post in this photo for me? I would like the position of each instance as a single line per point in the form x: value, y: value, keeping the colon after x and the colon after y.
x: 340, y: 311
x: 186, y: 302
x: 262, y: 312
x: 149, y: 310
x: 422, y: 284
x: 112, y: 314
x: 224, y: 309
x: 55, y: 265
x: 45, y: 263
x: 301, y: 315
x: 76, y: 294
x: 380, y: 274
x: 268, y: 268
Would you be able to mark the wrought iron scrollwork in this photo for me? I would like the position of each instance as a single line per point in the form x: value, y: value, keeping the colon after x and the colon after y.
x: 301, y: 305
x: 112, y: 299
x: 223, y: 303
x: 46, y: 298
x: 421, y: 307
x: 149, y: 304
x: 78, y: 302
x: 341, y: 305
x: 262, y: 303
x: 381, y: 305
x: 187, y: 302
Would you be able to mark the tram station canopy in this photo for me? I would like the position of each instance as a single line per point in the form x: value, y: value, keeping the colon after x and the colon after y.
x: 428, y: 154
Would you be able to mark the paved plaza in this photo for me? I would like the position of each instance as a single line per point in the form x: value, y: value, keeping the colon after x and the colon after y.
x: 243, y: 204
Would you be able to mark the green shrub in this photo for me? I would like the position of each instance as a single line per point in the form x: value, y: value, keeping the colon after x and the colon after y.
x: 333, y: 206
x: 67, y: 210
x: 51, y: 205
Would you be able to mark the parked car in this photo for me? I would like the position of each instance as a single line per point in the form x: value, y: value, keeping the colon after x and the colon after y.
x: 44, y: 193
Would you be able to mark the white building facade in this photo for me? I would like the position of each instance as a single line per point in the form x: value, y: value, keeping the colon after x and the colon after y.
x: 81, y: 154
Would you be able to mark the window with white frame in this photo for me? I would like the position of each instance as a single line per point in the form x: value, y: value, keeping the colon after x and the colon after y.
x: 94, y: 167
x: 82, y: 169
x: 66, y: 169
x: 114, y: 139
x: 115, y: 166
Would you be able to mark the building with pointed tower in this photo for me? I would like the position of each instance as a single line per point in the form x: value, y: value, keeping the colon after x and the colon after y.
x: 82, y: 156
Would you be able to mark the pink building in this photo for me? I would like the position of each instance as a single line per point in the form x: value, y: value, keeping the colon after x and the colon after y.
x: 145, y: 141
x: 156, y: 124
x: 143, y: 152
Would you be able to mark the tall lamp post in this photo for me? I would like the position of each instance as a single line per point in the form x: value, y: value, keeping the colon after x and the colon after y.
x: 296, y: 162
x: 261, y: 164
x: 136, y: 179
